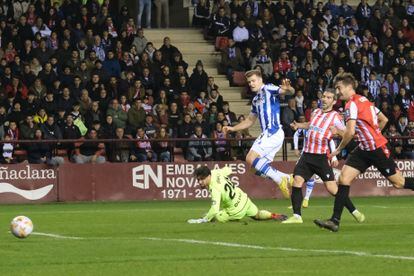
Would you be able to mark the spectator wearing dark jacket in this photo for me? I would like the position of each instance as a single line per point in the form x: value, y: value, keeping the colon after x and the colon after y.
x: 51, y: 130
x: 89, y: 151
x: 230, y: 115
x: 168, y: 50
x: 41, y: 153
x: 111, y: 65
x: 198, y: 80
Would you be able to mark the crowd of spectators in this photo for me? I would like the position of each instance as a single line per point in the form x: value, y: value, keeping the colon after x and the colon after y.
x: 310, y: 42
x: 78, y: 70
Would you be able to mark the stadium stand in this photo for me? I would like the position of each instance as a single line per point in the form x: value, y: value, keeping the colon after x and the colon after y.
x: 74, y: 69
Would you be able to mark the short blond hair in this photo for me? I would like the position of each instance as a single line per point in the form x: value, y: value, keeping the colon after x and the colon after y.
x: 250, y: 73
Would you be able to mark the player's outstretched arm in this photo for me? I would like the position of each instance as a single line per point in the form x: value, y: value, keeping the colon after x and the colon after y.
x: 334, y: 160
x: 295, y: 125
x: 286, y: 88
x: 296, y: 142
x: 382, y: 120
x: 250, y: 120
x: 214, y: 209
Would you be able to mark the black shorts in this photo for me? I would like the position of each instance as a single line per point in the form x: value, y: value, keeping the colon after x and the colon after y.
x: 310, y: 164
x: 380, y: 158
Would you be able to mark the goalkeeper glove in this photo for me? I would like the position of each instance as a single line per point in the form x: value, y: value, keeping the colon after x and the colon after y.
x: 193, y: 221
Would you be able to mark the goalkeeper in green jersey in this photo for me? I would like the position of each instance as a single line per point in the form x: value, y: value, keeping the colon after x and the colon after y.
x: 228, y: 202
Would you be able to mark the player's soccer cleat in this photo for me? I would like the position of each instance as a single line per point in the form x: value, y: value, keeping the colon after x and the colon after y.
x: 305, y: 203
x: 283, y: 186
x: 358, y: 216
x: 327, y: 224
x: 293, y: 219
x: 279, y: 217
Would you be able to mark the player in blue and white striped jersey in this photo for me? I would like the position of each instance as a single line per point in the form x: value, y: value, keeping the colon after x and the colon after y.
x: 266, y: 108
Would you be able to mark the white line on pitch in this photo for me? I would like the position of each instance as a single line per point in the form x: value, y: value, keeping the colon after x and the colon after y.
x: 250, y: 246
x: 56, y: 236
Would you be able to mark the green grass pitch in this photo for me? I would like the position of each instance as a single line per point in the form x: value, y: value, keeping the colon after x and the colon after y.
x: 112, y: 240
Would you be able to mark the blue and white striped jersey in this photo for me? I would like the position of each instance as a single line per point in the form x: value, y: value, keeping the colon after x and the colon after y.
x: 266, y: 107
x: 298, y: 133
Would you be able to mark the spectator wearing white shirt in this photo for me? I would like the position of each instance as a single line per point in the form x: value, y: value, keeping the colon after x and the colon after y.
x: 353, y: 37
x: 373, y: 84
x: 41, y: 28
x: 241, y: 34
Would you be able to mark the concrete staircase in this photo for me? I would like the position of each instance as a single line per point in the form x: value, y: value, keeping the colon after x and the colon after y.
x: 192, y: 45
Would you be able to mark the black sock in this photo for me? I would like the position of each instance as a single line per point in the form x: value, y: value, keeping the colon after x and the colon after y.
x: 297, y: 198
x: 349, y: 205
x: 409, y: 183
x: 340, y: 200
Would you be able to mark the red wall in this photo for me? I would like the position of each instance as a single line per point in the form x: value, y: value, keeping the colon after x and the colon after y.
x: 25, y: 183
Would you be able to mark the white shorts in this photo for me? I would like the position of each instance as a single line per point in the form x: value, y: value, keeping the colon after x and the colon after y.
x: 267, y: 145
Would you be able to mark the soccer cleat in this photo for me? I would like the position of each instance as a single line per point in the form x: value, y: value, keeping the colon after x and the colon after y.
x: 305, y: 203
x: 279, y: 217
x: 358, y: 216
x: 283, y: 186
x: 293, y: 219
x: 327, y: 224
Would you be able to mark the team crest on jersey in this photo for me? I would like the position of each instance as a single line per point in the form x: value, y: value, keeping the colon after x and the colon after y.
x: 259, y: 99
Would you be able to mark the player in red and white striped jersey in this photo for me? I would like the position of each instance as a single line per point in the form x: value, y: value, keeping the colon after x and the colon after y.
x: 319, y: 132
x: 367, y: 130
x: 314, y: 159
x: 366, y: 122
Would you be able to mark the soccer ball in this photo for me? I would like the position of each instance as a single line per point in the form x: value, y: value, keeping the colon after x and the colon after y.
x: 21, y: 227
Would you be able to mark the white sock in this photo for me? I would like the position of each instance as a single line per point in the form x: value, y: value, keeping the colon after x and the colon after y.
x: 263, y: 166
x: 309, y: 188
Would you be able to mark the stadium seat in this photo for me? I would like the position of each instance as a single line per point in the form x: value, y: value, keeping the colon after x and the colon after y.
x: 239, y: 79
x: 222, y: 42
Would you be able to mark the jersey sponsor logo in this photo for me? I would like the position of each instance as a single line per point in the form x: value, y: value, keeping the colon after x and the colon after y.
x: 315, y: 128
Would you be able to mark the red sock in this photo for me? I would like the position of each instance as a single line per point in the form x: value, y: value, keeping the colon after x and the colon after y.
x: 275, y: 216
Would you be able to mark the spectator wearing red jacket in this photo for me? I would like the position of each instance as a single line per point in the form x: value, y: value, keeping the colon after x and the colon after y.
x: 410, y: 112
x: 17, y: 88
x: 283, y: 64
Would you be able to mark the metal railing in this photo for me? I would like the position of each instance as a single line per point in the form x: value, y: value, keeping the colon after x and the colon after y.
x: 173, y: 143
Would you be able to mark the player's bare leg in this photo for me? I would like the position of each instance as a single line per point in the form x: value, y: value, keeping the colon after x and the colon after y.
x: 296, y: 198
x: 401, y: 182
x: 263, y: 168
x: 348, y: 174
x: 397, y: 180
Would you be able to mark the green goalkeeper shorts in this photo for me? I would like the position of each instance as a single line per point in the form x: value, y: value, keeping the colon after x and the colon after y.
x: 250, y: 210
